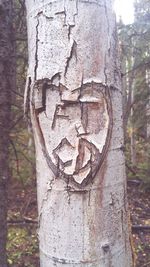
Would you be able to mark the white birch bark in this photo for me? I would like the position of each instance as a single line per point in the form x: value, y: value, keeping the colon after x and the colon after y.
x: 76, y: 107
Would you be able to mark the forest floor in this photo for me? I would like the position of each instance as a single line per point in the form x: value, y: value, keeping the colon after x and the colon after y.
x: 22, y: 246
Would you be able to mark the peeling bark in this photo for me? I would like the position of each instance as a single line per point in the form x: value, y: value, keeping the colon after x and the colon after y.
x: 76, y: 113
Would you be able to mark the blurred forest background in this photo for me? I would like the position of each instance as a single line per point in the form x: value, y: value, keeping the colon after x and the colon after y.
x: 134, y: 45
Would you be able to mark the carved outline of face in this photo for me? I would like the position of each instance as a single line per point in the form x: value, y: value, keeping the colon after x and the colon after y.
x: 82, y: 120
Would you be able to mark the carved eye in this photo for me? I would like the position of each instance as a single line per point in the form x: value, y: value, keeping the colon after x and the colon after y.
x: 99, y: 113
x: 61, y: 111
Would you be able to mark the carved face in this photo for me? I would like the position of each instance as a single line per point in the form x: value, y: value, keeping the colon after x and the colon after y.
x: 75, y: 128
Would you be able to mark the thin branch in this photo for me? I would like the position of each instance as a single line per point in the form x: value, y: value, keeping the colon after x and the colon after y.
x: 16, y: 156
x: 16, y: 122
x: 131, y: 169
x: 23, y: 221
x: 16, y: 93
x: 141, y: 65
x: 146, y: 264
x: 140, y: 228
x: 134, y: 182
x: 33, y: 165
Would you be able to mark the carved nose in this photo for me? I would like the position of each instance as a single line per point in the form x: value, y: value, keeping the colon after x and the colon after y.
x: 80, y: 129
x: 70, y: 96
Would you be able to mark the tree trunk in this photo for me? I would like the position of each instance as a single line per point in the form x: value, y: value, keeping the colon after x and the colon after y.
x: 133, y: 140
x: 76, y: 109
x: 6, y: 78
x: 148, y: 105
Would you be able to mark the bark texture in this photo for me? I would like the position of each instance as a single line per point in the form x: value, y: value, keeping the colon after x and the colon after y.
x: 76, y: 108
x: 148, y: 104
x: 6, y: 73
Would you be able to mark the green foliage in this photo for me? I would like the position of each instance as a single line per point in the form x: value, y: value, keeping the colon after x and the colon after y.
x: 22, y: 243
x: 22, y: 155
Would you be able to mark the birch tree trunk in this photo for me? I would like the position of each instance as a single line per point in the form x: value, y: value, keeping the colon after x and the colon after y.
x: 6, y: 83
x: 76, y: 109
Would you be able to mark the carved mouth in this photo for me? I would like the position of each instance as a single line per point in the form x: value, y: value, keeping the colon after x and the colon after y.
x: 78, y: 163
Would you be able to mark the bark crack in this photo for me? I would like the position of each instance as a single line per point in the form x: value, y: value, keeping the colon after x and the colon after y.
x: 105, y: 70
x: 36, y: 50
x: 69, y: 30
x: 68, y: 261
x: 73, y: 52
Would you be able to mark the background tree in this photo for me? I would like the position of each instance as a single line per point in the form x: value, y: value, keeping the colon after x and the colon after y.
x: 20, y: 152
x: 6, y: 85
x: 134, y: 41
x: 22, y: 206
